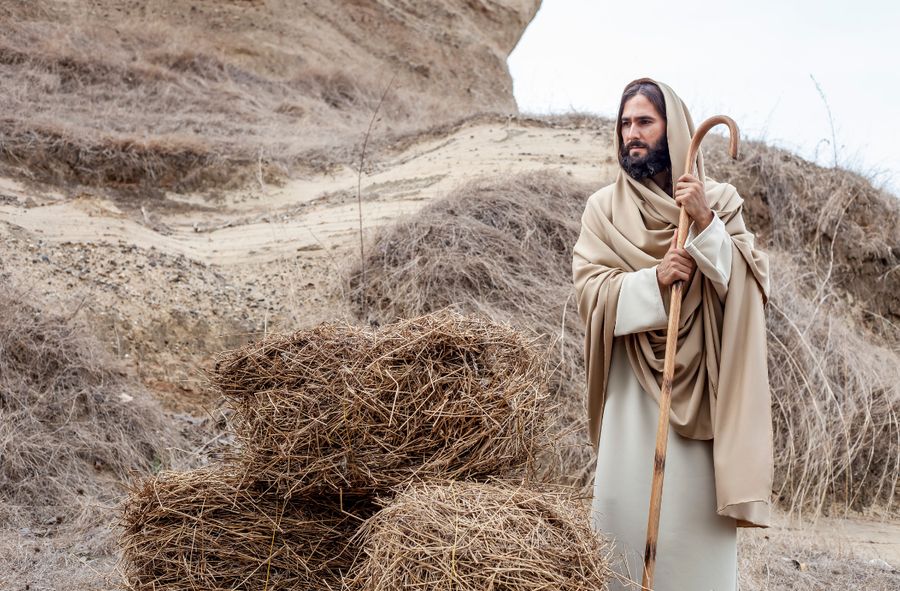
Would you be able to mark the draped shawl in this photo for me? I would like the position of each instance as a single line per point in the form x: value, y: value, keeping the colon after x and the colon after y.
x: 721, y: 388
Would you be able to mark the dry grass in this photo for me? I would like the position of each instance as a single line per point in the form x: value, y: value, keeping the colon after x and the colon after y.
x: 207, y: 529
x: 72, y: 428
x: 83, y: 106
x: 472, y: 536
x: 836, y: 400
x: 847, y: 231
x: 834, y: 327
x: 442, y: 396
x: 77, y: 560
x: 503, y: 247
x: 180, y: 96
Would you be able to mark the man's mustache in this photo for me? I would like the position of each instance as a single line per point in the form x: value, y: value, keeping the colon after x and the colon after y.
x: 636, y: 144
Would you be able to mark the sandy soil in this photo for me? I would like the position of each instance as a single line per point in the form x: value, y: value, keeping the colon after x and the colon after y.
x: 306, y: 214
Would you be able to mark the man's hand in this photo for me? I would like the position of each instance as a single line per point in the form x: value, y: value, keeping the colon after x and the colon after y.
x: 677, y: 265
x: 690, y: 195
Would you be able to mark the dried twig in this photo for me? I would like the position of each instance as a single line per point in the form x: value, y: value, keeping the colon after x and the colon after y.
x: 362, y: 162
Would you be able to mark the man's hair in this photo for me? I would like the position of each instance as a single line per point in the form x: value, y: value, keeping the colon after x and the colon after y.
x: 649, y: 89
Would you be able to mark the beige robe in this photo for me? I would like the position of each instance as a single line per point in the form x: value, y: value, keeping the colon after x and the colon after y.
x: 720, y: 388
x: 697, y: 548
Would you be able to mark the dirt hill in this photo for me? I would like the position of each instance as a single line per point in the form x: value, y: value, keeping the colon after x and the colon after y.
x: 178, y: 94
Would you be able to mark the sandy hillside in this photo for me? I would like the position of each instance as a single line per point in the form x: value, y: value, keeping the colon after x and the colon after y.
x: 216, y: 265
x: 173, y: 94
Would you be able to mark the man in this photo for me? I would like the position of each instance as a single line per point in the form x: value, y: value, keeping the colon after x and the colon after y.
x: 719, y: 463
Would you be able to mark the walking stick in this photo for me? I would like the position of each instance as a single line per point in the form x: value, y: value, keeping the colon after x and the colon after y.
x: 665, y: 395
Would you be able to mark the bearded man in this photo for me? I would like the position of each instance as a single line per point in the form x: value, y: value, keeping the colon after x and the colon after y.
x: 719, y: 462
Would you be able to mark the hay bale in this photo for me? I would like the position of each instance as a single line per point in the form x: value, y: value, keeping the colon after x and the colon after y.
x: 339, y: 407
x: 499, y: 246
x: 207, y: 529
x: 476, y: 536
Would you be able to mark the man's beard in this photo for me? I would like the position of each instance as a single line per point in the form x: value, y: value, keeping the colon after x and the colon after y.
x: 655, y: 161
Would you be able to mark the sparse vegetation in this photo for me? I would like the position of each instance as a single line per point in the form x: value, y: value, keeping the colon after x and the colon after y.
x: 179, y: 96
x: 108, y: 97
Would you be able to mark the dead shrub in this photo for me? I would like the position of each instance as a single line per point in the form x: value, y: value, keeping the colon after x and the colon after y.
x: 64, y: 154
x: 72, y: 429
x: 836, y: 400
x: 848, y: 230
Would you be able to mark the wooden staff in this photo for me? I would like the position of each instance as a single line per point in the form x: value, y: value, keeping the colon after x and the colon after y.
x: 665, y: 395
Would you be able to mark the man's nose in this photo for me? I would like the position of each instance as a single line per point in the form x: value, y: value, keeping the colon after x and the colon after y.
x: 630, y: 133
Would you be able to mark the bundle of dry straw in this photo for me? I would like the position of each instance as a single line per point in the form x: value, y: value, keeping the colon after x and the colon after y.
x: 499, y: 246
x: 464, y: 535
x: 359, y: 410
x: 206, y: 529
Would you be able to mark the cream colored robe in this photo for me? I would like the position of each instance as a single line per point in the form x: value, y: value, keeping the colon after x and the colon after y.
x: 720, y: 388
x: 697, y: 548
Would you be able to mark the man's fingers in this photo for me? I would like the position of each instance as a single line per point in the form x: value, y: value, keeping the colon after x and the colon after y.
x: 682, y: 271
x: 680, y: 266
x: 677, y: 275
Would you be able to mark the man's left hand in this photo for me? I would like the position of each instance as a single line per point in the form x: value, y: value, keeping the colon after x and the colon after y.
x: 690, y: 195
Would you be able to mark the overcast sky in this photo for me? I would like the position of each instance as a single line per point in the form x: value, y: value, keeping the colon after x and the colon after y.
x: 753, y: 61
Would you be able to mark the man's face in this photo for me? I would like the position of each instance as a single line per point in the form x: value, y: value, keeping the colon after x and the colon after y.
x: 644, y: 151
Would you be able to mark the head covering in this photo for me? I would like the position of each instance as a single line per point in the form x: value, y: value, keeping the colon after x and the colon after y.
x: 720, y: 388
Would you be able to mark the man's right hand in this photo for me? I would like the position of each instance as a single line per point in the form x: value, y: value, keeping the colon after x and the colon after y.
x: 677, y: 265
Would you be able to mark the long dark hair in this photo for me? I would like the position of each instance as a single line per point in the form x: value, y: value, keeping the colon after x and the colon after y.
x: 649, y: 89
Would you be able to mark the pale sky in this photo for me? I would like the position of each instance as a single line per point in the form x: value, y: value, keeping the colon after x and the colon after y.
x: 752, y: 61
